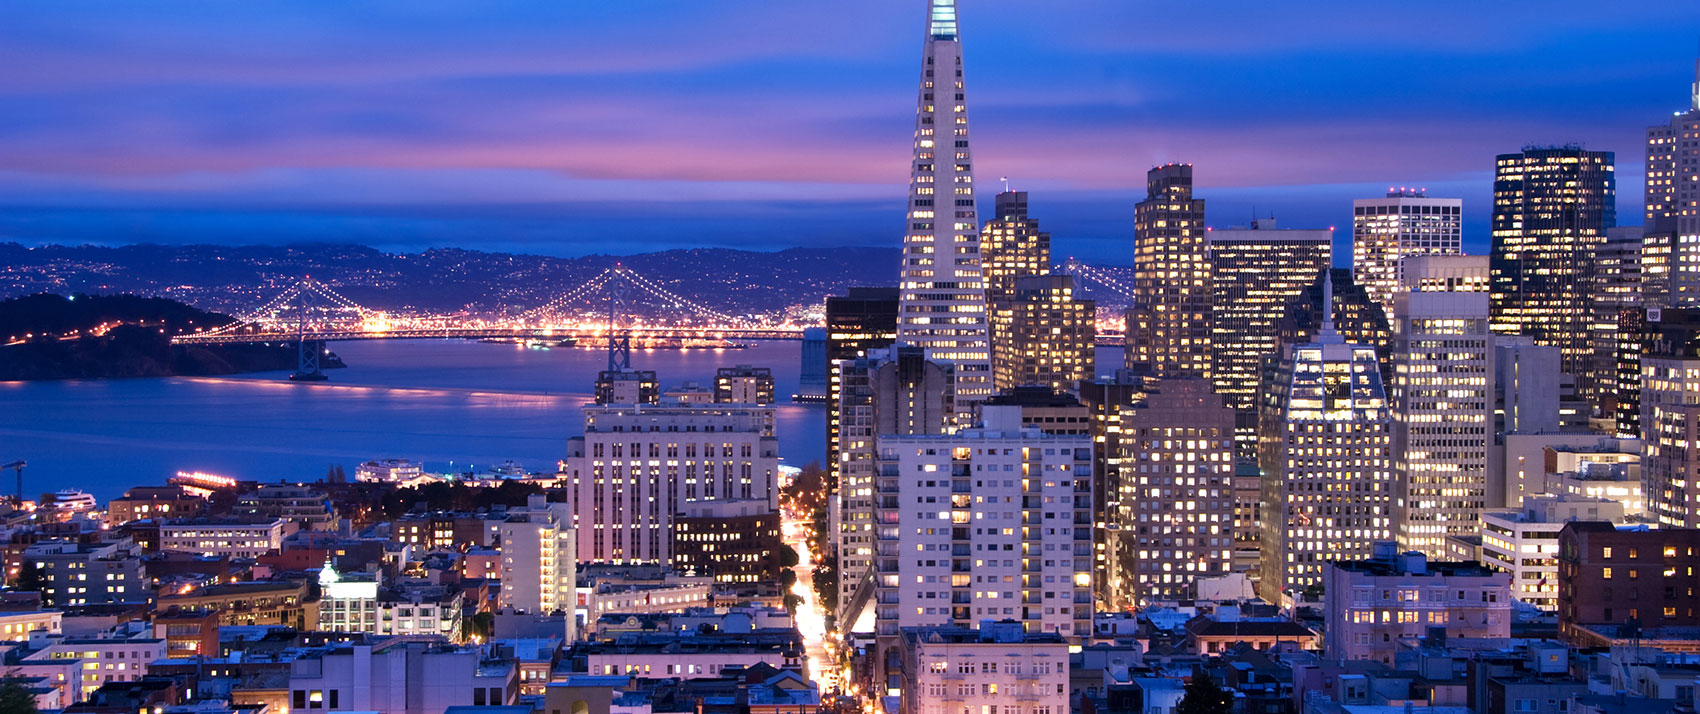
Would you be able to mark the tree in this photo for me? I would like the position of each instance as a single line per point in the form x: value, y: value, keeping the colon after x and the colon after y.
x: 1204, y: 696
x: 788, y: 557
x: 15, y: 698
x: 481, y: 625
x: 29, y: 577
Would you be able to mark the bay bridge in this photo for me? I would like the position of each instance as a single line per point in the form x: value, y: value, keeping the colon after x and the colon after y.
x: 311, y: 313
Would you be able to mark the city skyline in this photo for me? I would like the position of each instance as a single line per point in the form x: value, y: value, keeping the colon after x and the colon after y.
x: 517, y: 133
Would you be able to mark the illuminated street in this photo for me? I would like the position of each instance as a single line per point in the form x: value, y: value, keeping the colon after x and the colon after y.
x: 811, y: 620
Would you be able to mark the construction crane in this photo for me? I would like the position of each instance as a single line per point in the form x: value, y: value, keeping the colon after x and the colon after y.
x: 18, y: 468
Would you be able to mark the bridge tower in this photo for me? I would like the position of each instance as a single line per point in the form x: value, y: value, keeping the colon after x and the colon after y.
x: 619, y: 332
x: 307, y: 352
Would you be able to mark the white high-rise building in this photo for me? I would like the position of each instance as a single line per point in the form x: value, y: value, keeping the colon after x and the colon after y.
x: 992, y: 522
x: 638, y: 464
x: 1385, y: 231
x: 1325, y: 447
x: 1443, y: 399
x: 539, y: 558
x: 942, y: 307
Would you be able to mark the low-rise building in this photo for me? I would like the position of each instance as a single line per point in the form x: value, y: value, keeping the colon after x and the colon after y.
x: 1612, y: 576
x: 270, y: 603
x: 1524, y: 542
x: 399, y: 676
x: 686, y: 655
x: 946, y: 670
x: 1376, y: 606
x: 236, y: 537
x: 734, y: 541
x: 18, y: 626
x: 77, y: 574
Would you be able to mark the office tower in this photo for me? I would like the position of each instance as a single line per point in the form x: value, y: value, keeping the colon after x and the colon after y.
x: 812, y: 375
x: 627, y: 387
x: 540, y: 551
x: 1673, y: 201
x: 1324, y: 446
x: 1177, y: 447
x: 637, y: 465
x: 863, y: 320
x: 1254, y: 274
x: 743, y: 384
x: 1012, y: 246
x: 1670, y: 417
x: 943, y: 306
x: 1445, y: 274
x: 1407, y: 222
x: 891, y: 391
x: 1168, y: 327
x: 1442, y: 399
x: 1108, y: 400
x: 1357, y: 318
x: 1616, y: 291
x: 1551, y: 209
x: 1042, y: 334
x: 991, y: 522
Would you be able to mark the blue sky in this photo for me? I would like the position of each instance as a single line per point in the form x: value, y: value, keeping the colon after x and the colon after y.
x: 574, y: 127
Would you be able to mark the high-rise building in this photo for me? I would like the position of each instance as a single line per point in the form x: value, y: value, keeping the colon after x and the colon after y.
x: 540, y: 557
x: 1386, y: 231
x: 1325, y: 447
x: 743, y: 384
x: 1108, y: 401
x: 943, y: 305
x: 1616, y: 293
x: 627, y: 387
x: 1042, y: 334
x: 1254, y: 274
x: 1168, y: 327
x: 1551, y: 209
x: 1012, y: 246
x: 863, y: 320
x: 1670, y: 417
x: 989, y: 522
x: 891, y: 391
x: 1177, y: 448
x: 637, y: 465
x: 1442, y: 400
x: 1673, y: 200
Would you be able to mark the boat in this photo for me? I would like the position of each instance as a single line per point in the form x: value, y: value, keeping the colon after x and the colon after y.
x: 70, y: 499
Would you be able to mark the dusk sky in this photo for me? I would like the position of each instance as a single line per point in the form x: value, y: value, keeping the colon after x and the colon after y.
x: 576, y: 127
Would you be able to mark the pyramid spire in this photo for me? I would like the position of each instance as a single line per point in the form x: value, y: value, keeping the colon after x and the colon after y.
x: 941, y: 22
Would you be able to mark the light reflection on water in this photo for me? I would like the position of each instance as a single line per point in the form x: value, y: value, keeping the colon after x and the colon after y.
x: 438, y: 401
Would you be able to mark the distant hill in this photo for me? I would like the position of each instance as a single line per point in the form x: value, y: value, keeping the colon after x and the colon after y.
x: 89, y: 337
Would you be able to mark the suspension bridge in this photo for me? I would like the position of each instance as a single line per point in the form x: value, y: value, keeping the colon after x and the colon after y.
x: 311, y: 313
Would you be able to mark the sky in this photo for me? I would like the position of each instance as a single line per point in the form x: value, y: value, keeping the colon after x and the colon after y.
x: 576, y: 127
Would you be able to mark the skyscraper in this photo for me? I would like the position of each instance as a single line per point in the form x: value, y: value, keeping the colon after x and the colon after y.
x: 1325, y: 448
x: 1042, y: 334
x: 1670, y: 417
x: 863, y: 320
x: 1168, y: 327
x: 1407, y: 222
x: 1616, y: 292
x: 943, y: 304
x: 1551, y: 209
x: 1673, y: 197
x: 1013, y: 247
x: 1442, y: 401
x: 1254, y: 274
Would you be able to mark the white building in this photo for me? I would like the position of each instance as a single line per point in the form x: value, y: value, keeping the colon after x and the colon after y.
x: 399, y: 677
x: 989, y: 522
x: 942, y: 307
x: 17, y: 626
x: 1442, y: 399
x: 637, y: 464
x: 539, y: 567
x: 1325, y: 446
x: 103, y: 660
x: 347, y: 603
x: 233, y: 538
x: 998, y: 668
x: 1524, y: 542
x: 1385, y: 231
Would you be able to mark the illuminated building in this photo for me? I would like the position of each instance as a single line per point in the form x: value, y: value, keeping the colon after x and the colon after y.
x: 1042, y: 334
x: 1013, y: 247
x: 731, y: 541
x: 1378, y: 606
x: 998, y: 667
x: 1324, y: 446
x: 1444, y: 274
x: 943, y: 305
x: 743, y: 384
x: 1524, y: 542
x: 627, y: 387
x: 235, y: 537
x: 1048, y: 410
x: 1386, y: 231
x: 636, y: 465
x: 863, y: 320
x: 1673, y: 200
x: 1254, y: 274
x: 1168, y: 327
x: 1670, y: 417
x: 1616, y: 293
x: 1442, y: 400
x: 892, y: 391
x: 1551, y: 209
x: 991, y: 522
x: 1177, y: 456
x: 1108, y: 401
x: 541, y: 548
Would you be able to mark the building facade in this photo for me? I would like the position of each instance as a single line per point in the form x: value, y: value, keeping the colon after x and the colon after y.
x: 1379, y: 606
x: 863, y: 320
x: 943, y: 304
x: 1042, y: 334
x: 731, y: 541
x: 1386, y: 231
x: 1669, y: 398
x: 1168, y: 327
x: 996, y: 668
x: 1673, y: 201
x: 1610, y: 576
x: 743, y: 384
x: 1524, y: 543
